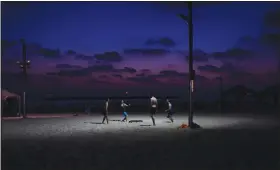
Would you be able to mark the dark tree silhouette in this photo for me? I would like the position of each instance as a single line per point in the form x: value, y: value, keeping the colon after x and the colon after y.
x: 239, y: 92
x: 272, y: 38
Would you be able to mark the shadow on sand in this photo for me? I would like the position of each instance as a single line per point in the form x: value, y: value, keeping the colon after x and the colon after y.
x: 135, y: 121
x: 115, y: 120
x: 96, y: 123
x: 145, y: 125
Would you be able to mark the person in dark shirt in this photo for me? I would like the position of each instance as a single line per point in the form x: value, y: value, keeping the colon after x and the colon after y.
x: 169, y: 111
x: 105, y: 111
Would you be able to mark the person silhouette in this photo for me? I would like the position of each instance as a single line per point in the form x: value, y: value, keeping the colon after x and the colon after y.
x: 124, y: 106
x: 153, y: 108
x: 105, y: 111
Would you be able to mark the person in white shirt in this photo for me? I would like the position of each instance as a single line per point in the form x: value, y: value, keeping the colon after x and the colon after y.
x: 105, y: 112
x: 169, y: 110
x: 153, y: 109
x: 124, y: 106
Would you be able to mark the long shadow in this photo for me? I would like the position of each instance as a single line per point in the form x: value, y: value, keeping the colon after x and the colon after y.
x: 145, y: 125
x: 97, y: 123
x: 135, y: 121
x: 115, y: 120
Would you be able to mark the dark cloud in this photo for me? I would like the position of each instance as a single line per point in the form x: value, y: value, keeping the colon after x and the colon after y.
x: 209, y: 68
x: 198, y: 56
x: 235, y: 75
x: 146, y: 52
x: 228, y: 70
x: 97, y: 81
x: 109, y: 57
x: 146, y: 79
x: 67, y: 66
x: 50, y: 53
x: 246, y: 39
x: 225, y: 68
x: 164, y: 41
x: 14, y: 48
x: 234, y: 54
x: 117, y: 76
x: 176, y: 74
x: 145, y: 70
x: 172, y: 73
x: 128, y: 70
x: 247, y: 42
x: 84, y: 71
x: 103, y: 76
x: 169, y: 74
x: 71, y: 52
x: 141, y: 75
x: 108, y: 68
x: 83, y: 57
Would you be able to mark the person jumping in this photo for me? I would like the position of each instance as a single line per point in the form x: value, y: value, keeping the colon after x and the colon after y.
x: 169, y: 111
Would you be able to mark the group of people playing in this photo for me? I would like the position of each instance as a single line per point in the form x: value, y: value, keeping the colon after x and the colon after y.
x: 153, y: 110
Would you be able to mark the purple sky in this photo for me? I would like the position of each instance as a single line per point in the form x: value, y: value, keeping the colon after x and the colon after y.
x: 113, y: 47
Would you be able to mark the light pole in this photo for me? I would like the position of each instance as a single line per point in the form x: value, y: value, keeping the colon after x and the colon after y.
x: 24, y: 65
x: 191, y: 71
x: 188, y: 19
x: 221, y: 93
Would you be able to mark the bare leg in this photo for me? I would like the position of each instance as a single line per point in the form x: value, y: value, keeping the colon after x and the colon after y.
x: 107, y: 119
x: 171, y: 118
x: 153, y: 119
x: 124, y: 119
x: 103, y: 119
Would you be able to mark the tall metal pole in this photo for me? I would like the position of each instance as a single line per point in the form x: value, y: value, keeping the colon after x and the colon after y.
x: 221, y: 93
x: 24, y: 65
x: 190, y: 24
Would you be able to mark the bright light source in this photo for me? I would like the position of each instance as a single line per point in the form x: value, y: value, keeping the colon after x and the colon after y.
x: 192, y: 85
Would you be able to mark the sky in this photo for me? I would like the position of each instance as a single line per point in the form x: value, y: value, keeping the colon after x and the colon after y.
x: 108, y: 48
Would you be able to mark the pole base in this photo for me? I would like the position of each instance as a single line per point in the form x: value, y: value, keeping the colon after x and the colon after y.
x: 194, y: 126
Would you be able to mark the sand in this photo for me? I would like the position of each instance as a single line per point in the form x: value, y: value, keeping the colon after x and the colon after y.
x: 81, y: 142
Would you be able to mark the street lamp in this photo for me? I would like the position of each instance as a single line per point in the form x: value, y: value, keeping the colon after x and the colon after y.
x: 188, y: 19
x: 24, y: 65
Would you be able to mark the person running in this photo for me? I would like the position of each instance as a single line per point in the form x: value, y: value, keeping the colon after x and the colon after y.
x: 105, y: 112
x: 169, y: 110
x: 124, y: 106
x: 153, y: 109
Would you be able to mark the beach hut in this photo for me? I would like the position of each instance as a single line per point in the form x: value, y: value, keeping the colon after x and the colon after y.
x: 10, y: 104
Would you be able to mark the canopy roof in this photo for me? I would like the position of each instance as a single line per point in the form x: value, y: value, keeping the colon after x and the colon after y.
x: 7, y: 94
